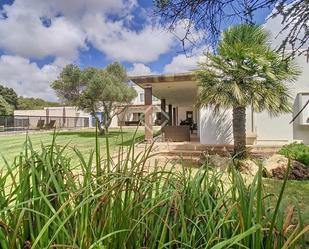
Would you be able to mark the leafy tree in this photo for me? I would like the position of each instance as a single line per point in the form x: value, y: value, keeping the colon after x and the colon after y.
x: 211, y: 16
x: 245, y: 72
x: 9, y: 95
x: 24, y: 103
x: 5, y: 107
x: 96, y: 90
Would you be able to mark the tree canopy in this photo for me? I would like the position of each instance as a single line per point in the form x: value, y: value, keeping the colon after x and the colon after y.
x: 9, y: 95
x: 246, y: 72
x: 5, y: 107
x: 24, y: 103
x: 96, y: 90
x: 10, y: 101
x: 211, y: 17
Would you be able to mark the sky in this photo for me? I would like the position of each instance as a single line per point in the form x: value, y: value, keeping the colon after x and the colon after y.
x: 39, y: 37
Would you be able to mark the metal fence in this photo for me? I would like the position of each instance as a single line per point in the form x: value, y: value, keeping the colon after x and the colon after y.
x: 24, y: 123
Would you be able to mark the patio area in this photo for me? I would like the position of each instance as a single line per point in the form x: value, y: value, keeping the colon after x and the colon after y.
x: 178, y: 117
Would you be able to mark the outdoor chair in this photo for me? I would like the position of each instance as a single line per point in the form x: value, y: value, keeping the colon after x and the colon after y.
x: 51, y: 124
x: 176, y: 133
x: 132, y: 123
x: 40, y: 124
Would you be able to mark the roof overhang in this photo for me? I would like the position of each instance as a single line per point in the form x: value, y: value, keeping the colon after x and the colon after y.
x: 176, y: 89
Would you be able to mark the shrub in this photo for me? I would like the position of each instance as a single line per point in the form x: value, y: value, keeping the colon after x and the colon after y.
x: 46, y: 201
x: 298, y: 152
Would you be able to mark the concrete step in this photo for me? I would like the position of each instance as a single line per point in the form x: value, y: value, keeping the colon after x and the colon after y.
x: 181, y: 153
x: 209, y: 148
x: 198, y: 153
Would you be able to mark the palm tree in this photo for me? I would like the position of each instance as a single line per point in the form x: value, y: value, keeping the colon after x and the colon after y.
x: 245, y: 72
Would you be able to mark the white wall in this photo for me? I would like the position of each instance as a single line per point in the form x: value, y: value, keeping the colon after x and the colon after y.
x: 215, y: 128
x: 182, y: 111
x: 127, y: 115
x: 140, y: 99
x: 278, y: 129
x: 70, y: 111
x: 269, y: 130
x: 30, y: 113
x: 55, y: 113
x: 301, y: 124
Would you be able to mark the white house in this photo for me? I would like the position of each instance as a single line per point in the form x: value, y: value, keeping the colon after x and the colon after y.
x: 72, y: 117
x: 168, y: 100
x: 64, y: 117
x: 178, y: 92
x: 135, y: 111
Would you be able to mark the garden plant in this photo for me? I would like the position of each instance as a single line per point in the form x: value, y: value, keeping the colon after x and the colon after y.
x: 46, y: 201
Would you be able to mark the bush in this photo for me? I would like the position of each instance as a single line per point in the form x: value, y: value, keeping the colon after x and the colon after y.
x: 298, y: 152
x: 46, y: 201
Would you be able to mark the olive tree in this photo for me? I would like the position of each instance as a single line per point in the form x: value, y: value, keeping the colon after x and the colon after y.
x: 96, y: 91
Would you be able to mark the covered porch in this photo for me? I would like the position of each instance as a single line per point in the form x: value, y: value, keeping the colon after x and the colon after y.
x: 178, y: 118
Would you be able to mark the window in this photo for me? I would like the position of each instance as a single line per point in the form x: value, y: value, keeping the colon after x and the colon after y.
x: 141, y: 97
x: 301, y: 108
x: 135, y: 116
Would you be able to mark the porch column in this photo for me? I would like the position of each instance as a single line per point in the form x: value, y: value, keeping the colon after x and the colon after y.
x: 163, y: 112
x: 148, y: 114
x: 63, y: 117
x: 47, y: 115
x: 174, y: 116
x: 170, y: 114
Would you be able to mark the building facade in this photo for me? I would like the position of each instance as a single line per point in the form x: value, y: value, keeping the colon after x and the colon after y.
x: 178, y: 94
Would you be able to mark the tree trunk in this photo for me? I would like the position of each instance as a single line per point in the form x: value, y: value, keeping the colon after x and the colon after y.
x: 99, y: 124
x: 239, y: 132
x: 101, y: 129
x: 107, y: 123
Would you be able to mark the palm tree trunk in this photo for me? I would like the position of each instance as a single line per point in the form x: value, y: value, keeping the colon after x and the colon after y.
x: 239, y: 132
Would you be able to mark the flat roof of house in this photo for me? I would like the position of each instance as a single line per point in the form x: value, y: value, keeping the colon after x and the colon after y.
x: 161, y: 78
x: 177, y: 89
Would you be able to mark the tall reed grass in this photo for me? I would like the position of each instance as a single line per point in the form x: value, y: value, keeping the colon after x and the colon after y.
x: 48, y: 202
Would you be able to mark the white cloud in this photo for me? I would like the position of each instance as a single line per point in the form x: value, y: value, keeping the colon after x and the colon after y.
x: 27, y: 78
x: 72, y: 22
x: 139, y: 69
x: 23, y: 33
x: 191, y: 39
x: 182, y: 63
x: 275, y: 26
x: 120, y: 43
x: 37, y: 29
x: 74, y: 9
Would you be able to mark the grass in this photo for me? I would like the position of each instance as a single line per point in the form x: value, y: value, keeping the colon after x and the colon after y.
x: 296, y: 193
x: 120, y: 204
x: 83, y: 140
x: 296, y: 151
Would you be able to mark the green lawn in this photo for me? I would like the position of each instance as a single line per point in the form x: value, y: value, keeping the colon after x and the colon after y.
x: 295, y: 193
x: 84, y: 140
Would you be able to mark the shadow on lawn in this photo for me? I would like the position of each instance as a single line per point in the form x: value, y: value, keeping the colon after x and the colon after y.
x: 129, y: 142
x: 91, y: 133
x: 117, y: 135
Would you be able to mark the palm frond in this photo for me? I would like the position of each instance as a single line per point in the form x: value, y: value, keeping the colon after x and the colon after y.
x: 246, y: 71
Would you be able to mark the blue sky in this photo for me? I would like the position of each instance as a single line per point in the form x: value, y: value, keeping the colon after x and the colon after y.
x: 39, y: 37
